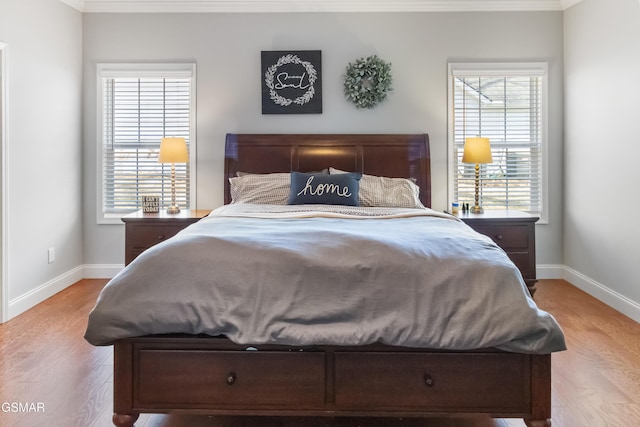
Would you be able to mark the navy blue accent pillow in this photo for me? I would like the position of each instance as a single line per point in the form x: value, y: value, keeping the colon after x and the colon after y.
x: 313, y: 188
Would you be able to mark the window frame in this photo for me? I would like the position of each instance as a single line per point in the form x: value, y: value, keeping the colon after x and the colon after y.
x: 500, y: 69
x: 141, y: 70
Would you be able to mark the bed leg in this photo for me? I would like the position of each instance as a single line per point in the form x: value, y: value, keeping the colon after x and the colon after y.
x: 125, y: 420
x: 538, y: 423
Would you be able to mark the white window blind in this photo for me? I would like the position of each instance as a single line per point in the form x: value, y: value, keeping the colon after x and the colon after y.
x: 140, y: 107
x: 506, y: 105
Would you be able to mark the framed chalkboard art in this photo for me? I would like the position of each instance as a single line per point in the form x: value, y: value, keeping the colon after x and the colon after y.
x: 292, y: 82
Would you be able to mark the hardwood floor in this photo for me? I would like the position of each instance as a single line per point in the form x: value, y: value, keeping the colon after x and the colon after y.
x: 45, y: 362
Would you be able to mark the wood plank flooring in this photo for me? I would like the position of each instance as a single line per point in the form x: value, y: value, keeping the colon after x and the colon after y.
x: 45, y: 361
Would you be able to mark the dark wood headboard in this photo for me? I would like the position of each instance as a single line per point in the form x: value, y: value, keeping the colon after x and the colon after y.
x: 396, y: 156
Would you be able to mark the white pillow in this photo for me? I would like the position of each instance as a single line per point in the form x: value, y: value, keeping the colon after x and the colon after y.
x: 380, y: 191
x: 266, y: 189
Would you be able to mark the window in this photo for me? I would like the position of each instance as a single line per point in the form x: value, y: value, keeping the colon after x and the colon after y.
x: 507, y: 104
x: 139, y: 104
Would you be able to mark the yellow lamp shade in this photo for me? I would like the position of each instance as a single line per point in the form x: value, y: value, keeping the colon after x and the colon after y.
x: 477, y: 150
x: 173, y: 150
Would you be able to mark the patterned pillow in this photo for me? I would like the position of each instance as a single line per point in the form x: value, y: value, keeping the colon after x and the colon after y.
x: 310, y: 188
x: 266, y: 189
x: 380, y: 191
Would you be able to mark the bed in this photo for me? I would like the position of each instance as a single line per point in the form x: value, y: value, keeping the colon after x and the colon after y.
x: 309, y: 375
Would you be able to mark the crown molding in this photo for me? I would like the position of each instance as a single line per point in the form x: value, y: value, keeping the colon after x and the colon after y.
x: 566, y: 4
x: 76, y: 4
x: 293, y: 6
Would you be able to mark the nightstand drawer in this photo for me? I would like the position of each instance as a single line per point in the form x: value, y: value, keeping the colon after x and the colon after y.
x: 146, y: 236
x: 513, y: 231
x: 145, y: 230
x: 523, y: 261
x: 508, y: 237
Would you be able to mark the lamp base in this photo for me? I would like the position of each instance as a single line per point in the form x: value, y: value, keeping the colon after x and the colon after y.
x: 173, y: 209
x: 476, y: 209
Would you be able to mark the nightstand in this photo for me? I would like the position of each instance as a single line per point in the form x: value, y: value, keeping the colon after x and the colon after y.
x: 515, y: 232
x: 143, y: 230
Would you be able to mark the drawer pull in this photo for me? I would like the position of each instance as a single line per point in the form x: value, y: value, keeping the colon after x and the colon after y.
x: 428, y: 380
x: 231, y: 378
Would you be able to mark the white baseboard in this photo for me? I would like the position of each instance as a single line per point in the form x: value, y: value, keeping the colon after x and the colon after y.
x: 101, y: 271
x: 34, y: 297
x: 599, y: 291
x: 550, y: 271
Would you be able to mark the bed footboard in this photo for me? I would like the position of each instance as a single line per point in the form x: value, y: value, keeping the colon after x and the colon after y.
x: 205, y: 375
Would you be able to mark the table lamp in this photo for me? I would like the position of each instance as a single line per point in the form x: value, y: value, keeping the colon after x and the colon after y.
x: 173, y: 150
x: 477, y: 150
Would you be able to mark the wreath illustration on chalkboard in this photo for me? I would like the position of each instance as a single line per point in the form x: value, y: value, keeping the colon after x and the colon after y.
x: 300, y: 100
x: 367, y: 81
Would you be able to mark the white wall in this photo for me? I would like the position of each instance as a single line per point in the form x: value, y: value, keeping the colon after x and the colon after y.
x: 44, y: 74
x: 226, y: 48
x: 602, y: 146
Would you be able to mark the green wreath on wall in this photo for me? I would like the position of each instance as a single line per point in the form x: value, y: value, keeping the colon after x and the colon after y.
x: 367, y: 81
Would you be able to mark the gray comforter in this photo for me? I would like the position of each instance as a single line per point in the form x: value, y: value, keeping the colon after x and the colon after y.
x: 340, y: 276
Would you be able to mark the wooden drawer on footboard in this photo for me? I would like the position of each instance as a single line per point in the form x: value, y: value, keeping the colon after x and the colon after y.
x: 228, y: 379
x: 445, y: 381
x: 207, y: 375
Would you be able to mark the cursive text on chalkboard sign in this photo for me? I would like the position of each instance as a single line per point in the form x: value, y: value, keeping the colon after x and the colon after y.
x: 291, y: 82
